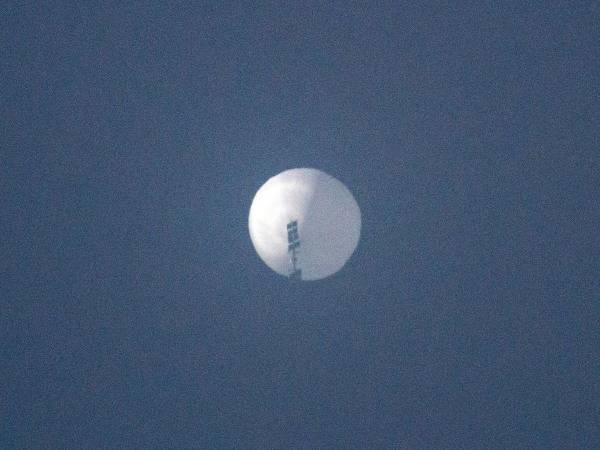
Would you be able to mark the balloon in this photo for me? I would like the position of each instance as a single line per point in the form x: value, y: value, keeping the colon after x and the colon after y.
x: 304, y: 224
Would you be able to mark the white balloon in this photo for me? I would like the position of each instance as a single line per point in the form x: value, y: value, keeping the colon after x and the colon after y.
x: 328, y: 221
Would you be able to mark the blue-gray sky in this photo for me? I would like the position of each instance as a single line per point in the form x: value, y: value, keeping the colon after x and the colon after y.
x: 134, y: 310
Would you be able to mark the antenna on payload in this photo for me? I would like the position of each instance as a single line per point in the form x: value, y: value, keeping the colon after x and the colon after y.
x: 293, y: 246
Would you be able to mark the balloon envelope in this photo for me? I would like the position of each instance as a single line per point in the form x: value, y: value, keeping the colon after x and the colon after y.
x: 328, y: 223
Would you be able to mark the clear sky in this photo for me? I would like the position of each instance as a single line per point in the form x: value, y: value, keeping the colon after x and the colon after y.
x: 134, y: 311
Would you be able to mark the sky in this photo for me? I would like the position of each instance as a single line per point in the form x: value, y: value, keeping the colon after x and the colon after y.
x: 134, y: 311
